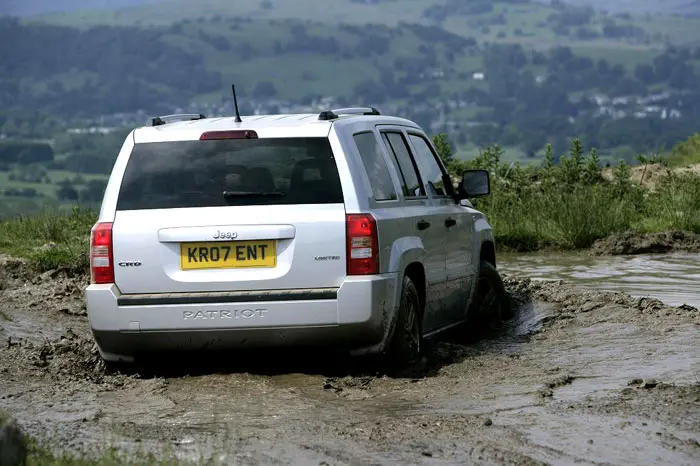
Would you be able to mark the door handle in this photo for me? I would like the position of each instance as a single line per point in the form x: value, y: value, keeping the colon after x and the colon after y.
x: 450, y: 222
x: 422, y: 225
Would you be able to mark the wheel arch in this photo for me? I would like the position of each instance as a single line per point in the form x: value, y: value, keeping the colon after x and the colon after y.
x: 488, y: 252
x: 416, y: 272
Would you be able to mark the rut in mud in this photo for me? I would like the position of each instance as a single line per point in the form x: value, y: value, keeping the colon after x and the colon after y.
x: 576, y: 376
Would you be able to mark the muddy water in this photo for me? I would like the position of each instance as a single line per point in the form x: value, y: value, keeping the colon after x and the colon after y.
x: 567, y: 381
x: 672, y: 278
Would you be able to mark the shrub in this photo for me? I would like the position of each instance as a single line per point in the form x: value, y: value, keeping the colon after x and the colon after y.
x: 569, y: 204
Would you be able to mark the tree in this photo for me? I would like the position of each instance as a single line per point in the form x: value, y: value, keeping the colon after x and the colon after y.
x: 645, y: 73
x: 264, y: 90
x: 445, y: 151
x: 25, y: 152
x: 66, y: 192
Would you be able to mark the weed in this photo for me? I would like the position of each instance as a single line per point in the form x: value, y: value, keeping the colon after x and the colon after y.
x: 50, y: 240
x: 570, y: 205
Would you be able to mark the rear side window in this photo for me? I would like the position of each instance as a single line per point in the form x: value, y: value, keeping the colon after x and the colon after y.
x: 397, y: 146
x: 375, y: 166
x: 169, y: 175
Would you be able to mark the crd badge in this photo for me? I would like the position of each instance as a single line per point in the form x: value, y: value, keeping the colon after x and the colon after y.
x: 130, y: 264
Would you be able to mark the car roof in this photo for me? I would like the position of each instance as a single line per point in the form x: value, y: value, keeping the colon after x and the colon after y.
x: 282, y: 125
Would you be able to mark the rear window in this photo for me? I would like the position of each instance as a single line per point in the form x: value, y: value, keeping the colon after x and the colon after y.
x: 169, y: 175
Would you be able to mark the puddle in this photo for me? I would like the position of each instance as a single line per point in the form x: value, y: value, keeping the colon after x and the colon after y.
x: 672, y: 278
x: 561, y: 440
x: 553, y: 389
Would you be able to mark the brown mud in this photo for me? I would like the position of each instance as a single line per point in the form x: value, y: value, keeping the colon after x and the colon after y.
x: 650, y: 175
x: 576, y: 377
x: 629, y: 243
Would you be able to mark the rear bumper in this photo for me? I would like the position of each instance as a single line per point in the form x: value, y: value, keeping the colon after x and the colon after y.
x: 357, y: 316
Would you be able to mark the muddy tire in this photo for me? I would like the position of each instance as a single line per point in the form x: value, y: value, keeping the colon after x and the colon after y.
x: 13, y: 447
x: 491, y: 303
x: 117, y: 367
x: 406, y: 343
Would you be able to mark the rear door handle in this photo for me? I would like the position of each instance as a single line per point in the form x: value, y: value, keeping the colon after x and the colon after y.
x: 450, y: 222
x: 422, y: 225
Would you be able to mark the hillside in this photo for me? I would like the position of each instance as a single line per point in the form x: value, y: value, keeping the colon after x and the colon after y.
x: 35, y: 7
x: 123, y: 69
x: 669, y: 7
x: 512, y: 72
x: 529, y: 21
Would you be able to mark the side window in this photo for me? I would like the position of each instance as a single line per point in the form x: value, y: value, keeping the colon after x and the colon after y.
x: 375, y: 165
x: 434, y: 175
x: 412, y: 186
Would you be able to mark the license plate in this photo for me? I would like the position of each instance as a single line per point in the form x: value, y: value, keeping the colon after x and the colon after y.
x: 228, y: 255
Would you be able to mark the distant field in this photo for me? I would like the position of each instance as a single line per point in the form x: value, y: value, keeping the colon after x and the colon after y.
x: 336, y: 11
x: 687, y: 7
x: 531, y: 19
x: 49, y: 189
x: 628, y: 56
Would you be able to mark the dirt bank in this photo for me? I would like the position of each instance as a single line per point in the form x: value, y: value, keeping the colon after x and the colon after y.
x: 650, y: 175
x: 646, y: 243
x: 577, y: 376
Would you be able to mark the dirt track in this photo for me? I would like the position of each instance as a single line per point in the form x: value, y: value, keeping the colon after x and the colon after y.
x: 575, y: 377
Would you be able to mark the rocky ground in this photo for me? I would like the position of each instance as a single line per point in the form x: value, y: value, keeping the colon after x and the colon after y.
x: 576, y: 376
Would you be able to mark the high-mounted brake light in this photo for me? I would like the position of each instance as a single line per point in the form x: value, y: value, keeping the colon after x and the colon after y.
x: 232, y: 134
x: 101, y: 254
x: 362, y: 245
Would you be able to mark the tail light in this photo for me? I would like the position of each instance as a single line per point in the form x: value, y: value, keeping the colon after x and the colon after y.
x: 228, y: 134
x: 362, y: 245
x: 101, y: 254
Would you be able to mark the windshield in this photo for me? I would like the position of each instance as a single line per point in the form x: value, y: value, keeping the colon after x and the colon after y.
x: 168, y: 175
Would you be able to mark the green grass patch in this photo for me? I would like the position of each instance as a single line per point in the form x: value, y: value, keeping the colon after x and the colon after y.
x: 566, y: 203
x: 50, y: 240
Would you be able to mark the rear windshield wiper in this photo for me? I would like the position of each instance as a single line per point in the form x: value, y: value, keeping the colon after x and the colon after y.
x: 232, y: 194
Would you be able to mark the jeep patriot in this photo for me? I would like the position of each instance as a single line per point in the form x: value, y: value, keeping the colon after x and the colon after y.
x: 341, y: 228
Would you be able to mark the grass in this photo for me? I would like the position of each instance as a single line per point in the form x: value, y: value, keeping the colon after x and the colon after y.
x: 50, y: 240
x: 570, y: 205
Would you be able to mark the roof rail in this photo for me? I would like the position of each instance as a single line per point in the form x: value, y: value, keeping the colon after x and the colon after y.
x: 333, y: 114
x: 165, y: 119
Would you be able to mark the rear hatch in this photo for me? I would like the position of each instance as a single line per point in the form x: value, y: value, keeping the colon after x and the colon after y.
x: 230, y: 215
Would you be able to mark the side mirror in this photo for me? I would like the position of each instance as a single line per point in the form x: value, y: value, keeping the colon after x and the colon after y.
x: 475, y: 183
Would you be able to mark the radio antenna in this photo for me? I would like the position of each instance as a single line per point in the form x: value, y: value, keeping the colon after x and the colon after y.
x: 235, y: 104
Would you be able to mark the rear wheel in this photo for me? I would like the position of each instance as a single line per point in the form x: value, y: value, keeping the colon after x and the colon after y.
x: 490, y: 304
x: 406, y: 342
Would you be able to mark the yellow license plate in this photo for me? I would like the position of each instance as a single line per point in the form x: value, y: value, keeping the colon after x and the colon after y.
x: 228, y: 255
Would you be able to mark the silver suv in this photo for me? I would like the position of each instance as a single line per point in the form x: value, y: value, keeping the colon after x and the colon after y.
x: 341, y: 228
